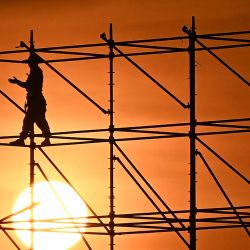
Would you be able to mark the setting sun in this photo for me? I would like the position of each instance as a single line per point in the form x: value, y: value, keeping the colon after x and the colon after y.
x: 54, y: 201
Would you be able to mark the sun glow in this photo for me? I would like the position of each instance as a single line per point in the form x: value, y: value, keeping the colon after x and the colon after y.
x: 54, y: 201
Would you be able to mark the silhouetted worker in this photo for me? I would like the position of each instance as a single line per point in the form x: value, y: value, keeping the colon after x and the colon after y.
x: 35, y: 105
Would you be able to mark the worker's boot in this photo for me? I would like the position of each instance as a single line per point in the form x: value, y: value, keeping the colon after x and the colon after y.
x: 18, y: 142
x: 46, y: 142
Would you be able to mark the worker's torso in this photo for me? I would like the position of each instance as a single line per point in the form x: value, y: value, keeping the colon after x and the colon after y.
x: 34, y: 88
x: 35, y: 82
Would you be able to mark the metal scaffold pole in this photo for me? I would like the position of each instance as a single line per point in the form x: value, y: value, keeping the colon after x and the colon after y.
x: 192, y: 136
x: 32, y: 179
x: 111, y: 135
x: 32, y: 167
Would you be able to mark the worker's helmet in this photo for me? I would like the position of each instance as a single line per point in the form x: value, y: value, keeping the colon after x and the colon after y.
x: 33, y: 59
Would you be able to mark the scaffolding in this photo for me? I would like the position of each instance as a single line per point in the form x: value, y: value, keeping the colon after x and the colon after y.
x: 184, y: 223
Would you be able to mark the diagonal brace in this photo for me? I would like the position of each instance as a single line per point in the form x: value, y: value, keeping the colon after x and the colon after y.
x: 151, y: 200
x: 223, y: 62
x: 69, y: 183
x: 223, y: 160
x: 223, y: 192
x: 103, y: 36
x: 63, y: 205
x: 22, y: 44
x: 13, y: 102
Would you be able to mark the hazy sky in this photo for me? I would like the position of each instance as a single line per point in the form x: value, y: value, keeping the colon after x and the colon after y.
x: 165, y: 163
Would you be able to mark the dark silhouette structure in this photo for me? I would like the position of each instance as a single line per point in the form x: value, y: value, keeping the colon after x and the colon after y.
x: 163, y: 219
x: 35, y: 106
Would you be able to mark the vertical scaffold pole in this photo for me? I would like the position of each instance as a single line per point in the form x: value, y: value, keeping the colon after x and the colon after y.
x: 111, y: 136
x: 192, y: 138
x: 32, y: 167
x: 32, y: 179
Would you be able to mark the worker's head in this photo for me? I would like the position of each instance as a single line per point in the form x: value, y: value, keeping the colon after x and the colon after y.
x: 33, y: 60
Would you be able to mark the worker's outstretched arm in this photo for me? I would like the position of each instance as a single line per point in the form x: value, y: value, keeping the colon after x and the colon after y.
x: 18, y: 82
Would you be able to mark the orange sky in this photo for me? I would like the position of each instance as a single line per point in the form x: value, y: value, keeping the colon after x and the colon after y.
x: 220, y: 95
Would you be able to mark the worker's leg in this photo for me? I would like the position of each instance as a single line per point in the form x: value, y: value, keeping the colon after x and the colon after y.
x: 42, y: 123
x: 44, y: 126
x: 28, y: 122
